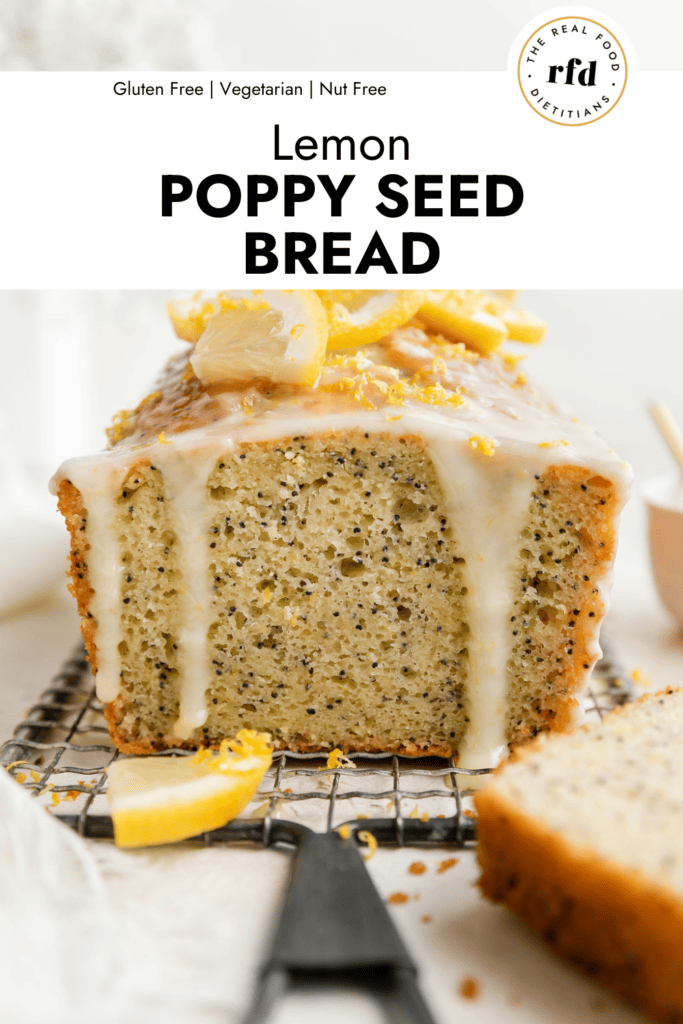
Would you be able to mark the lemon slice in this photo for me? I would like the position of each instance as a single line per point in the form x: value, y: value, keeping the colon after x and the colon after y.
x: 279, y: 336
x: 524, y: 326
x: 157, y: 800
x: 461, y: 316
x: 190, y: 316
x: 363, y: 317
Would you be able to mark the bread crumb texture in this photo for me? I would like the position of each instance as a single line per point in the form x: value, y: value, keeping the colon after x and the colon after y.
x: 581, y: 836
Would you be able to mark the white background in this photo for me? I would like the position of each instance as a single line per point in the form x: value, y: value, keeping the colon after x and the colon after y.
x: 80, y: 199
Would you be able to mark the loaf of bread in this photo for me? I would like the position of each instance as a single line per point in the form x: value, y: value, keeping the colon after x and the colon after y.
x: 411, y: 554
x: 580, y: 835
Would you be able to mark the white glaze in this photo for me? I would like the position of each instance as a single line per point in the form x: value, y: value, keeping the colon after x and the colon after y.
x: 488, y: 510
x: 185, y: 475
x: 488, y: 500
x: 99, y: 482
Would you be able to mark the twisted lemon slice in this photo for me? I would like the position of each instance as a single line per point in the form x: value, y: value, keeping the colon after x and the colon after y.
x: 157, y: 800
x: 280, y: 336
x: 359, y: 317
x: 483, y: 322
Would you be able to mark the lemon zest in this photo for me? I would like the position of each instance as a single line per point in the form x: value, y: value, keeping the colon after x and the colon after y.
x: 483, y: 445
x: 337, y: 759
x: 367, y: 837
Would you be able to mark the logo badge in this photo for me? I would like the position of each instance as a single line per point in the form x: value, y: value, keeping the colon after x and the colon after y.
x: 572, y: 71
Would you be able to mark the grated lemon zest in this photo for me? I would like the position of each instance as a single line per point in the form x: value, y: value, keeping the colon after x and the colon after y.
x: 337, y: 759
x: 122, y: 424
x: 162, y: 440
x: 638, y: 676
x: 367, y: 837
x: 344, y: 831
x: 483, y: 445
x: 553, y: 444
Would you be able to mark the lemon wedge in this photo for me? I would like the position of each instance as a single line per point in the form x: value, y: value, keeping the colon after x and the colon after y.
x: 279, y: 336
x: 157, y: 800
x: 362, y: 317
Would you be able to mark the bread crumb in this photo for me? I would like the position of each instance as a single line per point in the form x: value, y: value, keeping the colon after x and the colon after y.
x: 446, y: 865
x: 417, y: 868
x: 426, y: 919
x: 469, y: 988
x: 398, y: 897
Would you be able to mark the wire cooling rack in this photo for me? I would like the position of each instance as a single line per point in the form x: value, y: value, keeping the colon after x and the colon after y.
x: 61, y: 750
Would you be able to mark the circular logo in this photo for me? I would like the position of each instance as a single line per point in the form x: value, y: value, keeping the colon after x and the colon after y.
x: 572, y: 71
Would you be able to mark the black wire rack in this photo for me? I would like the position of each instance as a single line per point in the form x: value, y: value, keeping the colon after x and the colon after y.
x: 61, y: 750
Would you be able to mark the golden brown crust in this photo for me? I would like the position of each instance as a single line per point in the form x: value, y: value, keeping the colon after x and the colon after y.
x: 127, y: 744
x: 620, y: 928
x: 70, y: 504
x: 598, y: 540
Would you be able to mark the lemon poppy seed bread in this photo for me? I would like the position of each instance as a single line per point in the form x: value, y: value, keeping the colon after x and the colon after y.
x: 411, y: 554
x: 580, y: 836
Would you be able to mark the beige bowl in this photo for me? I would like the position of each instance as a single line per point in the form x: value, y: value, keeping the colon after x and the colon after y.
x: 664, y: 499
